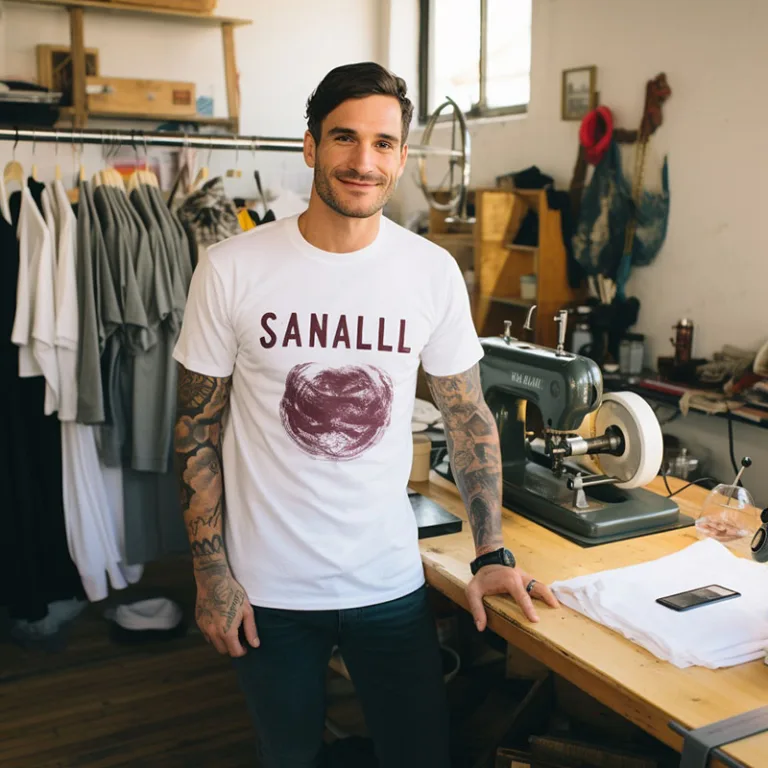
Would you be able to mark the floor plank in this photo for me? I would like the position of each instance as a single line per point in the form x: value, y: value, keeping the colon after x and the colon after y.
x: 97, y: 704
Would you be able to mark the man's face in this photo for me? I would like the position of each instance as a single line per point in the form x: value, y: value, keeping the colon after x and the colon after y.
x: 360, y: 156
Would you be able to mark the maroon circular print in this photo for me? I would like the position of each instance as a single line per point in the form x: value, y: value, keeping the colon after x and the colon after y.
x: 336, y: 413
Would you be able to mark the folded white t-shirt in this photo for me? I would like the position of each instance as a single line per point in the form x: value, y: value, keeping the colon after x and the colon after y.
x: 715, y: 635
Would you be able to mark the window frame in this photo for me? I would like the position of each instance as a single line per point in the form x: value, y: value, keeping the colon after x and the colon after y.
x: 478, y: 110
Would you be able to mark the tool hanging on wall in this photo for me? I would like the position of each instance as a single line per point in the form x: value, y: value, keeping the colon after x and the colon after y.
x: 657, y: 91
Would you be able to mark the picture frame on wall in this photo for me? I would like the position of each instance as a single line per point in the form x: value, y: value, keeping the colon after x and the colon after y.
x: 579, y: 94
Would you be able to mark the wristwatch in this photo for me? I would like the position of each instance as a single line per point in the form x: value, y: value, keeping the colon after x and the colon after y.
x: 500, y: 556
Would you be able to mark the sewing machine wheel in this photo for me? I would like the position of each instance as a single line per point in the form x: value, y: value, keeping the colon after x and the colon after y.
x: 642, y: 457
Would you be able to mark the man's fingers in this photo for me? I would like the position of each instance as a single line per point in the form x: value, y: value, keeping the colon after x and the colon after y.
x: 523, y: 599
x: 218, y: 643
x: 545, y: 594
x: 475, y: 600
x: 249, y: 626
x: 233, y: 644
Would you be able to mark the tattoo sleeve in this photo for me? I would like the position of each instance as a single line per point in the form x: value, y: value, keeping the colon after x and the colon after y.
x: 202, y: 401
x: 473, y: 447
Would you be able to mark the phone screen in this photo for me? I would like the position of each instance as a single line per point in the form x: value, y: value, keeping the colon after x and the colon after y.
x: 694, y: 598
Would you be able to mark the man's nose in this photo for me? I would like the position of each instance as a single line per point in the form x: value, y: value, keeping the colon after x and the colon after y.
x: 363, y: 159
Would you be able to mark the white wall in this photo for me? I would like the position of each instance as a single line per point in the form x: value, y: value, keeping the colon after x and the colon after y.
x: 713, y: 267
x: 281, y: 57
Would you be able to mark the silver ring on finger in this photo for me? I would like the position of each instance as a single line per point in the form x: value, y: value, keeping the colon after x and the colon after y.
x: 531, y: 585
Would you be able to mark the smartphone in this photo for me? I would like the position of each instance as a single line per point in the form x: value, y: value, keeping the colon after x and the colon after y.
x: 694, y: 598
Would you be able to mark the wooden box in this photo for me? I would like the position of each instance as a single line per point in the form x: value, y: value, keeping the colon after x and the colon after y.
x: 192, y: 6
x: 54, y: 66
x: 130, y: 97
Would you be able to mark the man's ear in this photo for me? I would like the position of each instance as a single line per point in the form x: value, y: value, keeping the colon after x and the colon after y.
x: 310, y: 149
x: 403, y: 160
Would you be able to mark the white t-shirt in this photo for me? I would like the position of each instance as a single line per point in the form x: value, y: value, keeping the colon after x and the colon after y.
x: 324, y: 350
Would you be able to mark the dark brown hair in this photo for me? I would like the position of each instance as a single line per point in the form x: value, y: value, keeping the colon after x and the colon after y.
x: 355, y: 81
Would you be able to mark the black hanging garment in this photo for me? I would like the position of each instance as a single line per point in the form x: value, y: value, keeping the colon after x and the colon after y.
x: 35, y: 568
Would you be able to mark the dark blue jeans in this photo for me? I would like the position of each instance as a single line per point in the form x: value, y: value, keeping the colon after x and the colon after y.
x: 393, y: 657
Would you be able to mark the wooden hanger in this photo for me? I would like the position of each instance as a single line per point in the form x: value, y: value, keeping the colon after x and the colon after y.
x: 57, y: 167
x: 14, y: 171
x: 203, y: 173
x: 33, y: 172
x: 235, y: 173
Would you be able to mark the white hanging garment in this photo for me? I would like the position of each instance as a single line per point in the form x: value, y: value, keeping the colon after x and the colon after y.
x: 44, y: 313
x: 5, y: 209
x: 34, y: 238
x: 93, y: 527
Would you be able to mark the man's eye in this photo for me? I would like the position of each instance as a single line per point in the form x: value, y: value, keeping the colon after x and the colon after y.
x: 385, y: 145
x: 344, y: 138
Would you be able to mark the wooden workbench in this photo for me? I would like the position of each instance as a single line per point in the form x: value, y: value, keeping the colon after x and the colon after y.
x: 623, y: 676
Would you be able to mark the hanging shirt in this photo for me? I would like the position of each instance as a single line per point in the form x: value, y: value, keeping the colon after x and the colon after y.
x: 34, y: 241
x: 99, y: 315
x: 44, y: 345
x: 5, y: 210
x: 66, y: 302
x: 210, y: 214
x: 152, y: 425
x: 323, y: 350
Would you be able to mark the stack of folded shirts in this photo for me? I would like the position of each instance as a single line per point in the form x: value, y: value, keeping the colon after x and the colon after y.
x: 720, y: 634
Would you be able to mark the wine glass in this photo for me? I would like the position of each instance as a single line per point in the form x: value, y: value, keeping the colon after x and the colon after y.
x: 728, y: 514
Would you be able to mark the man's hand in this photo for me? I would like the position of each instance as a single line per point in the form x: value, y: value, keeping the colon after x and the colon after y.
x: 503, y: 580
x: 222, y: 606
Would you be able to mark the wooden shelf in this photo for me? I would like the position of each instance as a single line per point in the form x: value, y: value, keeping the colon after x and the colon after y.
x: 514, y: 301
x: 500, y: 264
x: 137, y: 10
x: 223, y: 122
x: 525, y: 248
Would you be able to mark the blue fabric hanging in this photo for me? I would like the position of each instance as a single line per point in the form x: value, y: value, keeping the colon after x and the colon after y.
x: 606, y: 209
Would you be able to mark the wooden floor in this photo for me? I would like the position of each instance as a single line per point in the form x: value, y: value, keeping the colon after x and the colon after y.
x: 101, y: 705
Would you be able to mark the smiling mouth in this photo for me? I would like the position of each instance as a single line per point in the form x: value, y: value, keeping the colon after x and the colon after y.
x: 358, y: 184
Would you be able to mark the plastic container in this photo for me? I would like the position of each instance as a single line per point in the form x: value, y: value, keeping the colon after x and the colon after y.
x: 422, y: 452
x: 528, y: 287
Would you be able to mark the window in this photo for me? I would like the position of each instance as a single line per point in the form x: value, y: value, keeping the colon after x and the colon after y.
x: 478, y: 52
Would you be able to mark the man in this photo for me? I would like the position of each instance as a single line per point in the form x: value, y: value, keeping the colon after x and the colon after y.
x: 308, y: 332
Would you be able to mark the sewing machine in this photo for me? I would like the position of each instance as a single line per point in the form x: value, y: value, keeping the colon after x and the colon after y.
x: 584, y: 477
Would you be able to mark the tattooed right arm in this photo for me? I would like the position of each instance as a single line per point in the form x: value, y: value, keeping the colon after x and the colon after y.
x: 221, y: 602
x: 202, y: 401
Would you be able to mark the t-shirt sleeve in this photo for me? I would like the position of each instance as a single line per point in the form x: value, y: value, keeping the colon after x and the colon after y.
x: 207, y: 343
x: 453, y: 346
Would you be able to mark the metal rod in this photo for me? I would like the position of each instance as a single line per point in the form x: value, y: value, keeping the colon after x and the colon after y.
x: 716, y: 753
x: 264, y: 143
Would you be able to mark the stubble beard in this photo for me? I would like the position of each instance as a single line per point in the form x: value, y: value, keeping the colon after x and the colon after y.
x: 330, y: 198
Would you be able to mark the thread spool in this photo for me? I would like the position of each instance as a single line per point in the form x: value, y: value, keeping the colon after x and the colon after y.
x: 422, y: 452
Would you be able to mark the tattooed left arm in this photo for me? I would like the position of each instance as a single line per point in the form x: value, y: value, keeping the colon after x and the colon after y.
x: 473, y: 448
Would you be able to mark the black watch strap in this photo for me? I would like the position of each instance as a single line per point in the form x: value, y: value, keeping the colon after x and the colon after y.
x: 499, y: 556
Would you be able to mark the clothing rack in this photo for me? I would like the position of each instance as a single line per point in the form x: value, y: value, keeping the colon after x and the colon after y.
x: 140, y: 139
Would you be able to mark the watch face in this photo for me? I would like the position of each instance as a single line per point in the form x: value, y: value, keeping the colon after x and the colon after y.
x: 509, y: 558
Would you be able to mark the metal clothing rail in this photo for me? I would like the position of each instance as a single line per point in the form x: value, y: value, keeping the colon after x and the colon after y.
x: 139, y: 139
